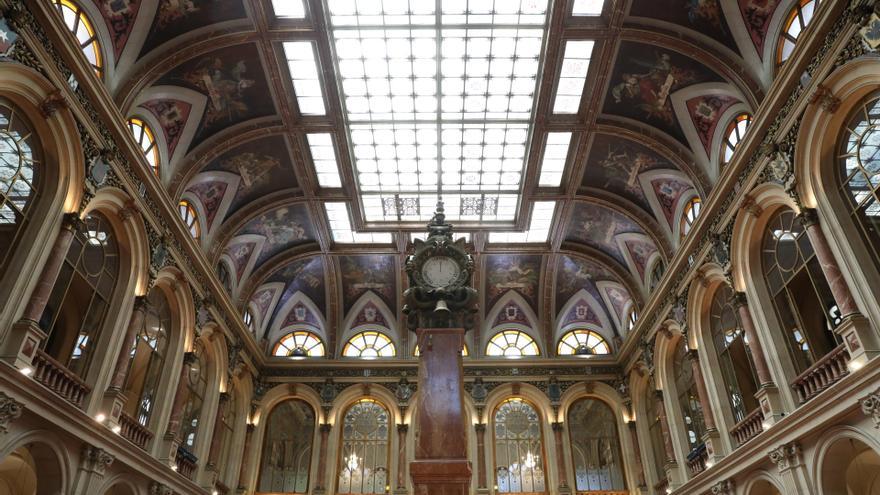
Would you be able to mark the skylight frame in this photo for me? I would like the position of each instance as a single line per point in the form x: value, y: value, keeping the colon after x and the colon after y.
x: 298, y: 55
x: 341, y: 232
x: 325, y: 158
x: 554, y: 158
x: 539, y: 228
x: 288, y: 3
x: 429, y: 25
x: 571, y: 84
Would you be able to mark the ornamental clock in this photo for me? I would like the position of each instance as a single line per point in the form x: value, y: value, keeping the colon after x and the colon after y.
x: 439, y: 271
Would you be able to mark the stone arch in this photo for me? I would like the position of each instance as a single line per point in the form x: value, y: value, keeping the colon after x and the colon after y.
x: 816, y: 175
x: 121, y: 484
x: 762, y: 483
x: 47, y: 457
x: 61, y: 190
x: 837, y: 450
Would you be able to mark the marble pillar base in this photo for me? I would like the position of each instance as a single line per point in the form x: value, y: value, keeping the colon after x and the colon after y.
x: 441, y: 477
x: 21, y: 344
x: 860, y: 339
x: 771, y: 404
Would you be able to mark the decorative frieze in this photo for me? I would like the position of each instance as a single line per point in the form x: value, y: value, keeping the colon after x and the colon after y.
x: 10, y: 410
x: 870, y: 406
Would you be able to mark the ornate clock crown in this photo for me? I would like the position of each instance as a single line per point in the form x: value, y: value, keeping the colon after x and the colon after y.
x: 438, y: 225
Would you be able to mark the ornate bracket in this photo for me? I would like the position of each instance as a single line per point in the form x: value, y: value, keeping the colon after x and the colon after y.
x: 871, y: 407
x: 10, y: 410
x: 95, y: 459
x: 786, y: 455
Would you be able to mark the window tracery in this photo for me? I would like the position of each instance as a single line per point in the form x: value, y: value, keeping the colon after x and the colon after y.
x: 299, y: 344
x: 512, y: 344
x: 369, y: 345
x: 581, y: 342
x: 595, y: 447
x: 197, y: 383
x: 364, y: 459
x: 83, y: 30
x: 689, y: 216
x: 795, y: 23
x: 287, y: 448
x: 735, y: 133
x: 734, y: 355
x: 144, y: 137
x: 688, y: 400
x: 148, y: 359
x: 19, y: 176
x: 519, y: 448
x: 190, y: 218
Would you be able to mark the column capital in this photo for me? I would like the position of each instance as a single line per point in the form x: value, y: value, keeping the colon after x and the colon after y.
x: 739, y: 299
x: 557, y: 426
x: 10, y: 409
x: 95, y: 459
x: 724, y: 487
x: 693, y: 355
x: 189, y: 358
x: 223, y: 399
x: 870, y: 406
x: 251, y: 427
x: 786, y: 455
x: 157, y: 488
x: 808, y: 217
x: 480, y: 427
x: 658, y: 394
x: 326, y: 427
x: 140, y: 303
x: 402, y: 428
x: 72, y: 222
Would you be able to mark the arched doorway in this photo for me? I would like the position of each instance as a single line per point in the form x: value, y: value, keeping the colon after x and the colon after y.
x: 764, y: 487
x: 32, y: 469
x: 850, y: 467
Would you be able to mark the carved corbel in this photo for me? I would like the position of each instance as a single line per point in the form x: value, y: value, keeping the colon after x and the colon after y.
x: 750, y: 206
x: 95, y: 459
x: 786, y: 455
x: 52, y: 103
x: 700, y: 278
x: 157, y: 488
x: 10, y: 410
x: 129, y: 210
x: 871, y: 407
x: 825, y: 98
x: 724, y: 487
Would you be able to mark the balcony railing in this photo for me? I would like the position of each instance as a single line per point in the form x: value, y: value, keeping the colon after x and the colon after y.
x: 696, y: 460
x: 59, y: 379
x: 186, y: 462
x: 749, y: 427
x: 133, y: 431
x: 822, y: 374
x: 661, y: 486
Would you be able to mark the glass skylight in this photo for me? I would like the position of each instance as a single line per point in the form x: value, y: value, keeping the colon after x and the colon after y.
x: 587, y: 7
x: 324, y: 159
x: 340, y: 226
x: 575, y: 64
x: 293, y: 9
x: 304, y: 72
x: 438, y: 103
x: 553, y: 161
x: 539, y: 227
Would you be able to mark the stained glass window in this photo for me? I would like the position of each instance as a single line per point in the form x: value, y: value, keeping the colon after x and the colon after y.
x: 795, y: 23
x: 145, y: 138
x: 582, y: 343
x: 364, y: 459
x: 81, y: 297
x: 801, y: 295
x: 190, y: 218
x: 735, y: 133
x: 512, y: 344
x: 631, y: 318
x: 148, y: 358
x: 299, y: 344
x: 519, y: 448
x: 19, y: 177
x: 369, y: 345
x: 287, y: 448
x: 248, y: 319
x: 82, y: 28
x: 595, y: 447
x: 689, y: 216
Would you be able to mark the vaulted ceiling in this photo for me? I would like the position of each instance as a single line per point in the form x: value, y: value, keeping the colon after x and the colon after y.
x: 240, y: 138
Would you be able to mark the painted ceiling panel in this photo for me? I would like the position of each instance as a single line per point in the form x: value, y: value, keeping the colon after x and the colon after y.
x: 178, y: 17
x: 703, y: 16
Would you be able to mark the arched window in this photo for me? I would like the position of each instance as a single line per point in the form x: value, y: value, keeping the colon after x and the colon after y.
x: 300, y: 344
x: 689, y: 216
x: 734, y: 355
x: 688, y: 400
x: 83, y: 30
x: 657, y: 273
x: 796, y: 21
x: 148, y: 359
x: 631, y: 318
x: 582, y: 343
x: 519, y: 448
x: 369, y: 345
x: 595, y: 447
x: 364, y: 459
x: 197, y: 382
x: 76, y: 310
x: 735, y: 133
x: 19, y: 177
x: 248, y: 320
x: 145, y: 138
x: 859, y: 165
x: 801, y: 296
x: 190, y: 218
x: 655, y: 431
x: 512, y: 344
x: 287, y: 448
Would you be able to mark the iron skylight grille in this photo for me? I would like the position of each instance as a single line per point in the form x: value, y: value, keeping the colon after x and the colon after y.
x: 438, y: 98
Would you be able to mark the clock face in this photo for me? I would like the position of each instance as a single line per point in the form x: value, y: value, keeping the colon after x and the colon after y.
x: 440, y: 271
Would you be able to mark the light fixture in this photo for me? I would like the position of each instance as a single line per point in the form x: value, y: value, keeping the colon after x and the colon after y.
x: 352, y: 462
x: 26, y: 371
x: 116, y: 429
x: 100, y: 417
x: 298, y: 354
x: 530, y: 460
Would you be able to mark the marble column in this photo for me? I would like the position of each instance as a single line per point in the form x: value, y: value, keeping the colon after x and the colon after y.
x: 660, y: 404
x: 855, y: 330
x: 441, y: 466
x: 217, y: 435
x: 560, y: 459
x: 246, y: 456
x: 480, y: 429
x: 172, y: 431
x: 93, y: 466
x: 793, y: 473
x: 401, y: 457
x: 745, y: 316
x: 114, y: 397
x: 637, y: 453
x: 24, y: 339
x: 322, y: 458
x: 711, y: 438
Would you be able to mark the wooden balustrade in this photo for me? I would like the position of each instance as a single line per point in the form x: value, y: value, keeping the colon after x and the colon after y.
x: 822, y: 374
x: 186, y: 462
x: 696, y: 459
x: 661, y: 486
x: 131, y: 430
x: 749, y: 427
x: 57, y: 378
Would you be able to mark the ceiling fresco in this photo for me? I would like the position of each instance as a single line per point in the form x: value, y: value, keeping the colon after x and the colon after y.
x: 657, y: 92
